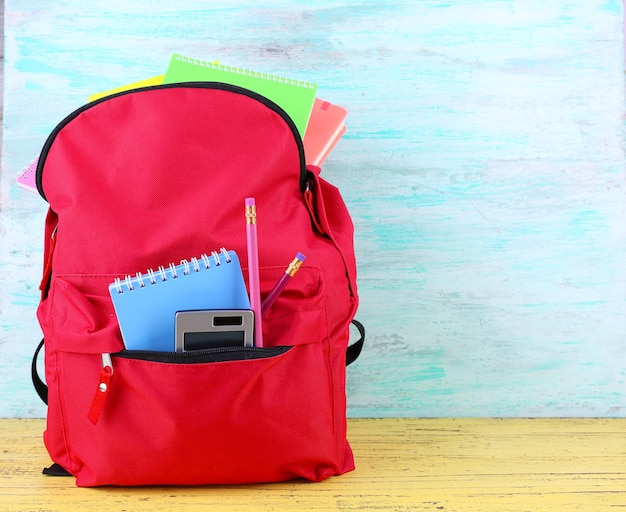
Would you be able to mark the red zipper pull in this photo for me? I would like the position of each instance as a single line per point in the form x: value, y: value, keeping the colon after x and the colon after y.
x: 102, y: 392
x: 309, y: 201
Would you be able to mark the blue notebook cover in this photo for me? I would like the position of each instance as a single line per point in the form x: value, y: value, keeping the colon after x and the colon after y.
x: 146, y: 304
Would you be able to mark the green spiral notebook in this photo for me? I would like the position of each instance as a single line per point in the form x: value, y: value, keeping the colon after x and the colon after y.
x: 295, y: 97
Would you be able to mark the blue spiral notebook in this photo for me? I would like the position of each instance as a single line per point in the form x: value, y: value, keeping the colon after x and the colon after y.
x: 146, y: 304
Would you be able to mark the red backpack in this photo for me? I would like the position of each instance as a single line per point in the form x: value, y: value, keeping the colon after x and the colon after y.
x: 147, y: 177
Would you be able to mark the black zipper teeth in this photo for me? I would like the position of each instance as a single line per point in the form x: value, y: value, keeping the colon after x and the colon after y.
x: 203, y: 352
x: 198, y: 355
x: 199, y: 85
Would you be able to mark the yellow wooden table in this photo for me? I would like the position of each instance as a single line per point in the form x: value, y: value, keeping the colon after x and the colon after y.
x: 402, y: 465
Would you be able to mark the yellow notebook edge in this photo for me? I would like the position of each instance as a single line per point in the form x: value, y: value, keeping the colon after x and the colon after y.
x: 146, y: 82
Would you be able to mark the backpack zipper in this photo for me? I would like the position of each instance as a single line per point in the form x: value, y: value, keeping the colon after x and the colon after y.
x: 209, y: 355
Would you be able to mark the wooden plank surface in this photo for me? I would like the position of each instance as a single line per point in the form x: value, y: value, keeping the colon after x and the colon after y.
x: 483, y: 166
x: 402, y: 464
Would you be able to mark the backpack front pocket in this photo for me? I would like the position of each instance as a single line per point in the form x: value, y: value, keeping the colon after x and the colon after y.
x: 259, y: 415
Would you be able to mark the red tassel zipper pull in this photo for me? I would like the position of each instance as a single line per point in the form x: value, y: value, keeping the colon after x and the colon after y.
x: 309, y: 201
x: 102, y: 392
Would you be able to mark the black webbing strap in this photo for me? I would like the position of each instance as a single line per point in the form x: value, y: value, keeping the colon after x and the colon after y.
x: 354, y: 350
x: 40, y: 385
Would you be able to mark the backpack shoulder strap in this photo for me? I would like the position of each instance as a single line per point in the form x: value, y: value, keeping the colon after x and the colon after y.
x: 40, y: 386
x: 354, y: 350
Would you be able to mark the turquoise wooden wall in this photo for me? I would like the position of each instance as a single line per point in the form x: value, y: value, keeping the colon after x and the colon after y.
x: 483, y: 166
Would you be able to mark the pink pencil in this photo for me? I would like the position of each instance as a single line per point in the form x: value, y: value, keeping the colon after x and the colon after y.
x: 253, y: 270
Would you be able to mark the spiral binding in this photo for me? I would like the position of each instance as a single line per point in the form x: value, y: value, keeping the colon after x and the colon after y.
x: 29, y: 168
x: 245, y: 72
x: 26, y: 176
x: 152, y: 277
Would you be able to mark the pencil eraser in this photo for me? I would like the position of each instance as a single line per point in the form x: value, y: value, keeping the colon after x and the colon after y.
x: 301, y: 256
x: 250, y: 201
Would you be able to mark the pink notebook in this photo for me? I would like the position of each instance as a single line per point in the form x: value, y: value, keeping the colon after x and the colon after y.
x: 26, y: 177
x: 325, y: 128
